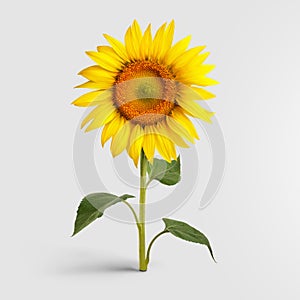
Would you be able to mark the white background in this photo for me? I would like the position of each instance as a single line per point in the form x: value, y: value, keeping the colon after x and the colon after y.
x: 254, y: 221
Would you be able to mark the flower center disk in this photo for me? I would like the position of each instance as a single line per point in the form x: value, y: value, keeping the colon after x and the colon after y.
x: 144, y: 92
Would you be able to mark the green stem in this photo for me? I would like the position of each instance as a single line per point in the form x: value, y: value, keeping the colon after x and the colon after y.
x: 142, y: 213
x: 151, y: 243
x: 133, y: 212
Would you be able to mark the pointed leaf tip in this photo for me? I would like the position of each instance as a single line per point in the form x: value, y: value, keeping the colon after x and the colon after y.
x: 93, y: 206
x: 188, y: 233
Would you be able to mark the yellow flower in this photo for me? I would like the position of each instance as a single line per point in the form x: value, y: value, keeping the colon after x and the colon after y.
x: 144, y: 90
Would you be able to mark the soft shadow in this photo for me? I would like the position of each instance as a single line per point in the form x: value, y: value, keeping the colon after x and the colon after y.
x: 96, y: 267
x: 90, y: 262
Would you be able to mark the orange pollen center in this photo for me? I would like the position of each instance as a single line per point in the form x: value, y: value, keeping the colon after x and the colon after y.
x: 145, y: 92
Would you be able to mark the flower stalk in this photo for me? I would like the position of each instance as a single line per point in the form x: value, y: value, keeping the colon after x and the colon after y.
x: 142, y: 213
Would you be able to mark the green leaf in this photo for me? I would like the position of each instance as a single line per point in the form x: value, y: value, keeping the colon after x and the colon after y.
x: 92, y: 207
x: 187, y: 233
x: 166, y: 173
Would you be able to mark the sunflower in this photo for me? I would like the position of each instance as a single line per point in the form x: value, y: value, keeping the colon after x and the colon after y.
x: 144, y: 91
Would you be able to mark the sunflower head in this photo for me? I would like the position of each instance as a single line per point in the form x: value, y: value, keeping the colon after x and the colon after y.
x: 144, y: 91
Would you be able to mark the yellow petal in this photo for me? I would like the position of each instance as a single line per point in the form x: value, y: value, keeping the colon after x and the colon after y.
x: 183, y: 60
x: 181, y: 118
x: 164, y: 146
x: 158, y: 40
x: 135, y: 144
x: 195, y: 78
x: 120, y: 140
x: 117, y: 46
x: 136, y: 31
x: 171, y: 148
x: 111, y: 128
x: 95, y: 85
x: 96, y: 74
x: 177, y: 50
x: 110, y: 52
x: 92, y: 85
x: 149, y: 143
x: 204, y: 94
x: 169, y: 34
x: 195, y: 110
x: 136, y: 37
x: 205, y: 69
x: 129, y: 45
x: 190, y: 93
x: 199, y: 59
x: 177, y: 127
x: 88, y: 99
x: 101, y: 119
x: 94, y: 98
x: 101, y: 115
x: 187, y: 93
x: 146, y: 44
x: 105, y: 61
x: 167, y: 40
x: 192, y: 72
x: 203, y: 81
x: 165, y: 130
